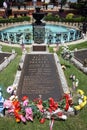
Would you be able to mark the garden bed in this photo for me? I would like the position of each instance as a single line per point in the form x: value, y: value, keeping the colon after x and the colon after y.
x: 5, y: 59
x: 80, y: 60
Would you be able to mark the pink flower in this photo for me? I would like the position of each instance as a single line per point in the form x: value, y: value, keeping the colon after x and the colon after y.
x: 25, y: 103
x: 29, y: 114
x: 7, y: 104
x: 22, y: 118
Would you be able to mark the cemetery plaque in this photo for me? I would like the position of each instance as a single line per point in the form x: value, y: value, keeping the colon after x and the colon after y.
x: 40, y: 77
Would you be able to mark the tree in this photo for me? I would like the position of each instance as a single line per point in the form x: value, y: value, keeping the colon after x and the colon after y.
x: 79, y: 1
x: 1, y: 3
x: 62, y: 3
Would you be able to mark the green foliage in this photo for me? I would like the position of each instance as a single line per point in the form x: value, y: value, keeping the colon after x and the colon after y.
x: 79, y: 1
x: 46, y: 104
x: 51, y: 17
x: 74, y: 19
x: 10, y: 70
x: 13, y: 20
x: 63, y: 2
x: 69, y: 16
x: 79, y: 19
x: 1, y: 17
x: 79, y: 5
x: 1, y: 3
x: 79, y: 46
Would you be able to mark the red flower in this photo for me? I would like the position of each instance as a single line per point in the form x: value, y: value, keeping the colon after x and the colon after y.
x: 17, y: 116
x: 67, y: 106
x: 60, y: 113
x: 24, y: 98
x: 16, y: 104
x: 42, y: 120
x: 52, y: 104
x: 40, y: 101
x: 68, y: 101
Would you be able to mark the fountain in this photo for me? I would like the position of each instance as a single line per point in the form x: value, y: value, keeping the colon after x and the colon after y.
x: 38, y: 32
x: 38, y: 26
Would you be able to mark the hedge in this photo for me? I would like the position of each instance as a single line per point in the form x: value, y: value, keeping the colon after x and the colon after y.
x: 13, y: 20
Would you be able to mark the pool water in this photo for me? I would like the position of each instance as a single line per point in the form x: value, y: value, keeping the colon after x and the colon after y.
x: 22, y: 28
x: 53, y: 34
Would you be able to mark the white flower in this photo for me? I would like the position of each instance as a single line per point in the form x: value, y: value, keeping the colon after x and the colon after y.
x: 10, y: 89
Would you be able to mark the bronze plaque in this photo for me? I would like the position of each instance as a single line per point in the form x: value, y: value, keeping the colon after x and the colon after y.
x: 39, y: 48
x: 40, y: 77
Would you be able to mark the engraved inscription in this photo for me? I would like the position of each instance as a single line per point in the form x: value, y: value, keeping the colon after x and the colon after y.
x: 39, y: 76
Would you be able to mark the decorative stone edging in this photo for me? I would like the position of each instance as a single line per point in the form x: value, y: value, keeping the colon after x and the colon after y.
x: 61, y: 74
x: 7, y: 61
x: 79, y: 65
x: 18, y: 74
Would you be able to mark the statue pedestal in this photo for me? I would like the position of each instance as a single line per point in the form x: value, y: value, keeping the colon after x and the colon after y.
x: 38, y: 27
x: 39, y: 33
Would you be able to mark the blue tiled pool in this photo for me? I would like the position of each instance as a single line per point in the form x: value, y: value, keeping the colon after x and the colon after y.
x: 53, y: 34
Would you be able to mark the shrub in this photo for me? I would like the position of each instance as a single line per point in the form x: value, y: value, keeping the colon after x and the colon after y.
x: 1, y: 3
x: 69, y: 16
x: 11, y: 19
x: 1, y: 17
x: 51, y: 17
x: 79, y: 19
x: 75, y: 19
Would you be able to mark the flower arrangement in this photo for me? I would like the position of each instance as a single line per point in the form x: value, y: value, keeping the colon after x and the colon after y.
x: 26, y: 110
x: 66, y: 53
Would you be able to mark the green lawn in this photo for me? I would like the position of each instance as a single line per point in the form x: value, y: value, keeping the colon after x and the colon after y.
x: 78, y: 122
